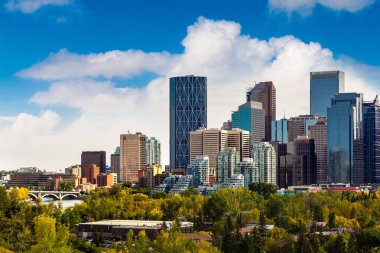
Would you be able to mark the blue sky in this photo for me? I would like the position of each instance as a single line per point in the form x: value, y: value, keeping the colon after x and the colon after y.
x: 28, y: 35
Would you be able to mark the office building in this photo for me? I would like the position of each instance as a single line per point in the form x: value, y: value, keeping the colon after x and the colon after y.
x: 115, y: 163
x: 318, y: 133
x: 250, y: 117
x: 188, y: 112
x: 148, y: 177
x: 345, y: 139
x: 323, y: 87
x: 264, y: 161
x: 371, y: 136
x: 292, y: 169
x: 233, y: 182
x: 211, y: 141
x: 91, y: 173
x: 280, y: 130
x: 226, y: 164
x: 281, y: 149
x: 247, y: 169
x: 107, y: 179
x: 265, y: 93
x: 153, y: 151
x: 94, y: 157
x: 132, y: 156
x: 299, y: 126
x: 199, y: 169
x: 305, y: 148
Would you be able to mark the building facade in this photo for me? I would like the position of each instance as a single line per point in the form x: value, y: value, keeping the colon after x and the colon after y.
x: 323, y: 87
x: 226, y: 164
x: 265, y: 93
x: 250, y: 117
x: 299, y: 126
x: 94, y: 157
x: 132, y: 156
x: 280, y: 130
x: 153, y: 151
x: 318, y: 133
x: 264, y: 161
x: 371, y: 136
x: 345, y: 139
x: 199, y: 169
x: 188, y: 112
x: 115, y: 163
x: 248, y: 170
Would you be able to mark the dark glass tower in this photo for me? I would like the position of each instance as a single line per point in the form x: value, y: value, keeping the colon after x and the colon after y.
x: 323, y: 87
x: 188, y: 112
x: 345, y: 139
x: 371, y: 134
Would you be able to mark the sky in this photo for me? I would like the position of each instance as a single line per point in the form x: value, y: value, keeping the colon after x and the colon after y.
x: 75, y: 74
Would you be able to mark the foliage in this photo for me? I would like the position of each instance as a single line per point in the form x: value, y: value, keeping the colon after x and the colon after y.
x: 264, y: 189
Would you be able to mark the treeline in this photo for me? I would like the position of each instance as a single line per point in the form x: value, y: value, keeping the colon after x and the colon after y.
x: 296, y: 219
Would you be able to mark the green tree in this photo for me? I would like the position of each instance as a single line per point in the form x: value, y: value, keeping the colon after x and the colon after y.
x: 264, y: 189
x: 45, y: 233
x: 215, y: 207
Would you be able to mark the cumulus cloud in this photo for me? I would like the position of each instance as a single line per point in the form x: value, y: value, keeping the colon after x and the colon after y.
x: 30, y: 6
x: 305, y: 7
x: 216, y: 49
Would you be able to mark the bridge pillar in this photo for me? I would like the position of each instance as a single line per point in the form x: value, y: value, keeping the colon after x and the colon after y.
x: 39, y: 194
x: 60, y: 195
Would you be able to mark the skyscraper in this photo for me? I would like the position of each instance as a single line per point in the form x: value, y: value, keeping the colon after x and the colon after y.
x: 298, y: 126
x: 115, y: 163
x: 345, y: 139
x: 318, y: 133
x: 226, y: 165
x: 132, y: 156
x: 323, y: 87
x: 248, y: 170
x: 371, y: 134
x: 188, y: 112
x: 264, y: 161
x: 280, y: 130
x: 199, y: 169
x: 153, y: 151
x: 94, y: 157
x: 265, y: 93
x: 250, y: 117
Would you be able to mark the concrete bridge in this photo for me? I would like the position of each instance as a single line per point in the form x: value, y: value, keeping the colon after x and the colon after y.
x: 59, y: 195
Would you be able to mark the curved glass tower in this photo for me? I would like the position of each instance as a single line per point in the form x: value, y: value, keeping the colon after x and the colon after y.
x: 188, y: 112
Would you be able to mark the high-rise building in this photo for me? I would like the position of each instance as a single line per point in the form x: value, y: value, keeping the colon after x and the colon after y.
x: 264, y: 161
x: 199, y: 168
x: 280, y: 130
x: 281, y: 149
x: 371, y: 134
x: 115, y: 163
x: 226, y: 164
x: 298, y: 126
x: 250, y: 117
x: 305, y: 147
x: 323, y: 87
x: 211, y: 141
x: 91, y: 173
x: 265, y: 93
x: 107, y: 179
x: 94, y: 157
x: 149, y: 176
x: 248, y: 170
x: 132, y: 156
x: 345, y: 139
x: 318, y: 133
x: 292, y: 169
x: 188, y: 112
x: 233, y: 182
x: 153, y: 151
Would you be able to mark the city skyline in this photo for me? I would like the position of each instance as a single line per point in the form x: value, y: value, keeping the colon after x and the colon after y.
x: 68, y: 111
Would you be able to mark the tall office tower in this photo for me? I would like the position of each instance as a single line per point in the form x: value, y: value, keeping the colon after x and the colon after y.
x: 250, y: 117
x: 199, y: 168
x: 345, y: 139
x: 305, y: 147
x: 264, y: 160
x: 323, y: 87
x: 298, y: 126
x: 371, y: 134
x: 226, y: 164
x: 250, y: 173
x: 91, y: 173
x: 318, y: 133
x: 280, y: 130
x: 153, y: 151
x: 265, y: 93
x: 115, y: 163
x: 281, y: 149
x: 132, y: 156
x: 94, y: 157
x: 211, y: 141
x: 292, y: 168
x: 188, y: 112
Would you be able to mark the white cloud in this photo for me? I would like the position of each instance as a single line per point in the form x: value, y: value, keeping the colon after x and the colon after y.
x: 305, y: 7
x: 30, y: 6
x: 216, y: 49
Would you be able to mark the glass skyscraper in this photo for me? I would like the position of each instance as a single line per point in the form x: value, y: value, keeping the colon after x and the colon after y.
x: 188, y: 112
x: 323, y: 87
x: 345, y: 139
x: 280, y: 130
x: 371, y: 134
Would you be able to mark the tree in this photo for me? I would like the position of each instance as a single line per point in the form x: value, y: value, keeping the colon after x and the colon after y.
x: 302, y: 242
x: 264, y: 189
x: 45, y: 233
x: 332, y: 220
x: 141, y: 242
x: 215, y: 207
